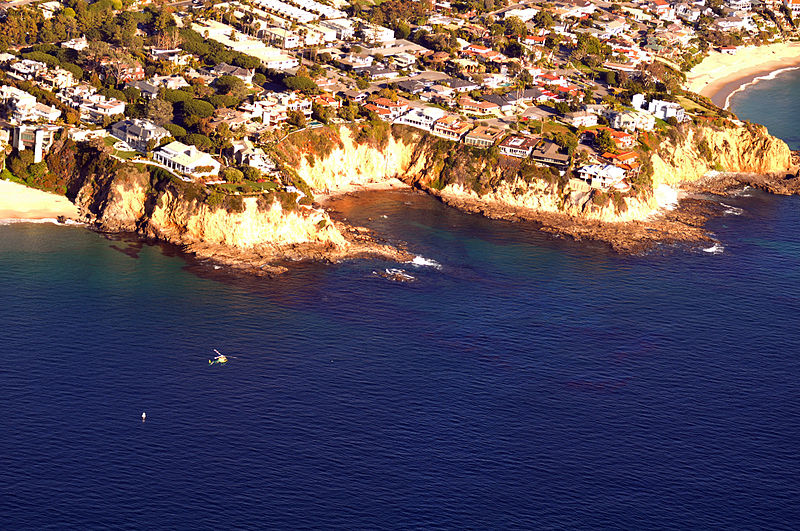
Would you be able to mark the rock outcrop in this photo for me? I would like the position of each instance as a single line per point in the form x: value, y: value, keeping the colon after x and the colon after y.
x: 691, y: 154
x: 256, y: 233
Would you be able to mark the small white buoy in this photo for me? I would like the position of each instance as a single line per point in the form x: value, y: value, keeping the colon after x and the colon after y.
x: 144, y: 416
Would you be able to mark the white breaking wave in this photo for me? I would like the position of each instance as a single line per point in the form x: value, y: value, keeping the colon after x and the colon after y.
x: 666, y: 197
x: 732, y: 210
x: 714, y: 249
x: 52, y: 221
x: 421, y: 261
x: 744, y: 86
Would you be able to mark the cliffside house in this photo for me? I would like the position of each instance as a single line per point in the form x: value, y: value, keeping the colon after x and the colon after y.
x: 187, y: 159
x: 38, y: 137
x: 518, y: 146
x: 581, y: 119
x: 484, y: 136
x: 421, y: 118
x: 602, y: 176
x: 451, y: 127
x: 549, y: 153
x: 141, y: 135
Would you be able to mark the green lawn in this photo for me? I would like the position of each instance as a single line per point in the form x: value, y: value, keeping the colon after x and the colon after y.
x: 237, y: 187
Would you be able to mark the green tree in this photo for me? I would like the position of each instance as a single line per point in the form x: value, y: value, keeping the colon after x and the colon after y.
x: 159, y: 111
x: 296, y: 118
x: 304, y: 84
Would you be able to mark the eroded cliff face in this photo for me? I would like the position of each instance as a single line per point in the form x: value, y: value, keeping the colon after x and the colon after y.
x: 689, y: 157
x: 353, y: 163
x: 417, y: 160
x: 254, y: 235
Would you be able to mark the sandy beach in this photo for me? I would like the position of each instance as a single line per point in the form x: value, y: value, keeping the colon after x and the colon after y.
x: 721, y: 74
x: 21, y: 202
x: 323, y: 197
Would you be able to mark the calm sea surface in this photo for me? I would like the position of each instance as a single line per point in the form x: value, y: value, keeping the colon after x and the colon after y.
x: 529, y: 382
x: 775, y: 103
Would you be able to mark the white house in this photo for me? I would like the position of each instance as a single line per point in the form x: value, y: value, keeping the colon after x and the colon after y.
x: 187, y: 159
x: 423, y: 118
x: 667, y: 109
x: 601, y: 176
x: 138, y: 133
x: 632, y: 120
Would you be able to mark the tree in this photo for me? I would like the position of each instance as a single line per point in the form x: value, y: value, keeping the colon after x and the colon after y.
x: 175, y: 130
x: 230, y: 85
x: 159, y: 111
x: 515, y: 26
x: 202, y: 142
x: 543, y: 19
x: 296, y: 118
x: 232, y: 175
x: 304, y: 84
x: 402, y: 30
x: 605, y: 141
x: 320, y: 113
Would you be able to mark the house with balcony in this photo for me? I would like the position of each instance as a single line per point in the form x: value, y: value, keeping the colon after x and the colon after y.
x: 518, y: 146
x: 179, y: 157
x: 141, y: 135
x: 451, y: 127
x: 484, y: 136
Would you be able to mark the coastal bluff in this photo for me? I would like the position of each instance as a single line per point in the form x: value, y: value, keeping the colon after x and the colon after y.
x: 341, y: 159
x: 253, y: 233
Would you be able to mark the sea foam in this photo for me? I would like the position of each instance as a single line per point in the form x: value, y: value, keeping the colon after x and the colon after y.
x: 421, y: 261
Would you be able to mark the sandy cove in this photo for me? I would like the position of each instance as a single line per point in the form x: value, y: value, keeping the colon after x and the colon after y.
x: 18, y: 201
x: 721, y: 74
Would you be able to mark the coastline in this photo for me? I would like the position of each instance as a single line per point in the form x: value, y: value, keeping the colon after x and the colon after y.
x: 20, y: 202
x: 721, y: 75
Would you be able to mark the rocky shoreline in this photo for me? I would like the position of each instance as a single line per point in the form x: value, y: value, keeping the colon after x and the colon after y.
x: 684, y: 224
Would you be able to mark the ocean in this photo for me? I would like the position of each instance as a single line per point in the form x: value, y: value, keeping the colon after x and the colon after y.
x: 772, y: 100
x: 520, y: 381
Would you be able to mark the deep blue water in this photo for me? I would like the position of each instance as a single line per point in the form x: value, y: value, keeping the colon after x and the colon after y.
x: 773, y: 102
x: 529, y: 383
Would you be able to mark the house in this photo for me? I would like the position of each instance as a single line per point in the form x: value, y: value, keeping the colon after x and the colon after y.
x: 38, y: 138
x: 793, y: 6
x: 602, y: 176
x: 581, y: 119
x: 421, y: 118
x: 26, y: 69
x: 470, y: 106
x: 76, y: 44
x: 146, y: 89
x: 55, y: 79
x: 451, y: 127
x: 739, y: 5
x: 343, y: 27
x: 141, y: 135
x: 630, y: 121
x: 377, y: 72
x: 373, y: 33
x: 621, y: 139
x: 123, y: 72
x: 169, y: 82
x: 666, y: 109
x: 395, y: 108
x: 282, y: 37
x: 244, y: 152
x: 518, y: 146
x: 484, y: 136
x: 627, y: 160
x: 98, y: 108
x: 187, y: 159
x: 224, y: 69
x: 23, y: 107
x: 411, y: 86
x: 546, y: 152
x: 462, y: 85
